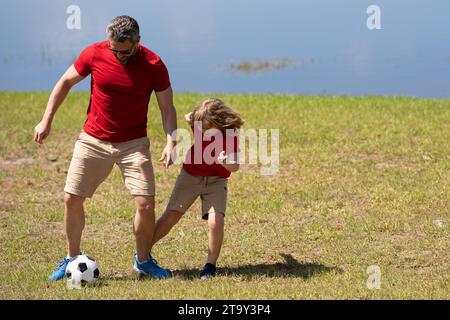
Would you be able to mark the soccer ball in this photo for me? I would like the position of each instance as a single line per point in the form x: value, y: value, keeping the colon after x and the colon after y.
x: 81, y: 270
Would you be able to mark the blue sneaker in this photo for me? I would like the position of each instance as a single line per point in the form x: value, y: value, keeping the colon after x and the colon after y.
x: 151, y: 269
x: 60, y: 271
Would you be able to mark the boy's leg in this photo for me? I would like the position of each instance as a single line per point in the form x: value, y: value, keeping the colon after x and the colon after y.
x: 214, y: 204
x: 164, y: 224
x: 187, y: 188
x: 215, y: 236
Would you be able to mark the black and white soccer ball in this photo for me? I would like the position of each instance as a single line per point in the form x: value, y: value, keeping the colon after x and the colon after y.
x: 82, y: 270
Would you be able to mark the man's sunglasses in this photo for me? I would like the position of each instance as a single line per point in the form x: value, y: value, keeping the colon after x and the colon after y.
x: 124, y: 52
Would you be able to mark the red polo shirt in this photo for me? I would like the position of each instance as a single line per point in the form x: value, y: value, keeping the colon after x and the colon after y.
x: 201, y: 158
x: 120, y: 94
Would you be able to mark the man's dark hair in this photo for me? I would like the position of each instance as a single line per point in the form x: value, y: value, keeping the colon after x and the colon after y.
x: 122, y: 28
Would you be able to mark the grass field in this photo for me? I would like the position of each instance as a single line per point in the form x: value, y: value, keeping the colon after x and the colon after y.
x: 362, y: 181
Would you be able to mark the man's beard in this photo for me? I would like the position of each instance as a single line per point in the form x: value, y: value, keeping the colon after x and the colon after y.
x: 123, y: 60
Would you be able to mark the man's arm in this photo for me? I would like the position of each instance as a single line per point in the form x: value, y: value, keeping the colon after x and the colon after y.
x: 59, y: 93
x: 169, y: 120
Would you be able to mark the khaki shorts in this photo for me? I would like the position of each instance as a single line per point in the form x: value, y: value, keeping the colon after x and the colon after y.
x: 94, y: 159
x: 211, y: 190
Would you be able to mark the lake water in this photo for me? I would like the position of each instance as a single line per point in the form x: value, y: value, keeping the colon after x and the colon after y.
x: 312, y: 47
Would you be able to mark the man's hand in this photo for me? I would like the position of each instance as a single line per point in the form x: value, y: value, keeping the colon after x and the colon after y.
x: 168, y: 154
x: 41, y: 131
x: 169, y: 120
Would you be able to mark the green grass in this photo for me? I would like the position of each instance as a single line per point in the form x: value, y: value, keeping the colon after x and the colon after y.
x: 361, y: 182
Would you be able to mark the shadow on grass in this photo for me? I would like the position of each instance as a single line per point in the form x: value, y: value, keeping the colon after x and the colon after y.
x: 289, y: 268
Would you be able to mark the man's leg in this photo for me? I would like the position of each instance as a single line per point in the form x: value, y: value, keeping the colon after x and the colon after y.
x: 144, y: 225
x: 73, y: 225
x: 74, y: 219
x: 91, y: 164
x: 135, y: 164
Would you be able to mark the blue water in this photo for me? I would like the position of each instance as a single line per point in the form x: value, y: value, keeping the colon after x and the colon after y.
x: 198, y: 40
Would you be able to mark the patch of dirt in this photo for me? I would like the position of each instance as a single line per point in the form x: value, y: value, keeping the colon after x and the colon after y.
x: 15, y: 161
x: 360, y: 157
x: 383, y: 166
x: 380, y: 161
x: 7, y: 203
x: 402, y: 237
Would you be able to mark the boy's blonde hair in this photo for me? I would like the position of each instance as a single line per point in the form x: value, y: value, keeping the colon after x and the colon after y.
x: 217, y: 113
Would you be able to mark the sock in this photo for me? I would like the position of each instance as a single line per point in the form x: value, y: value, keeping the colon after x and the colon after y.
x: 210, y: 265
x: 72, y: 257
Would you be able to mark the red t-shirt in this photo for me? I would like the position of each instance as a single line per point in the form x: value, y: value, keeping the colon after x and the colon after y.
x: 200, y: 159
x: 120, y: 94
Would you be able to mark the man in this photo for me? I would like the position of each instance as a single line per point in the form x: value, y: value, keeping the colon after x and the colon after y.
x: 123, y: 75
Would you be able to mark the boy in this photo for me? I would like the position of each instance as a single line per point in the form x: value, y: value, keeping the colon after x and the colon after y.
x: 205, y: 175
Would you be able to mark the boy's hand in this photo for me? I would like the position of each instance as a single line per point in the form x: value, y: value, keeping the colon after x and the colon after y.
x: 222, y: 157
x: 228, y: 162
x: 188, y: 116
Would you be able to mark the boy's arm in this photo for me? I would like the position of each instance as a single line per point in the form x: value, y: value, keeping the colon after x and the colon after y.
x: 188, y: 116
x: 229, y: 162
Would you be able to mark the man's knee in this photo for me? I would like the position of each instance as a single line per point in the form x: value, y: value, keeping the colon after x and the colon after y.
x: 145, y: 204
x: 71, y: 200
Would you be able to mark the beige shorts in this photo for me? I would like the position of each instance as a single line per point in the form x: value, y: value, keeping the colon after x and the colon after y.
x: 94, y: 159
x: 211, y: 190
